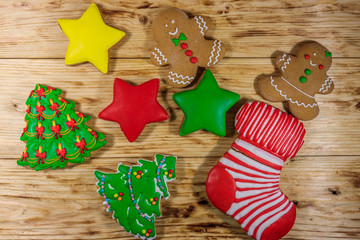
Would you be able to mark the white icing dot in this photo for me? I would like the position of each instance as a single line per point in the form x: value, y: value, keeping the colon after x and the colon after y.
x: 314, y: 54
x: 172, y: 21
x: 166, y: 25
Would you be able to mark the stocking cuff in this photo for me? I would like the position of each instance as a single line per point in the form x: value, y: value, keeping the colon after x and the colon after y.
x: 268, y: 134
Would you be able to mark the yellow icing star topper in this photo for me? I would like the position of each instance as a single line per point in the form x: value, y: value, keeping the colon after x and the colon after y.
x: 89, y: 39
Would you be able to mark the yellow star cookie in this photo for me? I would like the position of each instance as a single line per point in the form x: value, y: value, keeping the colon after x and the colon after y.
x: 89, y: 39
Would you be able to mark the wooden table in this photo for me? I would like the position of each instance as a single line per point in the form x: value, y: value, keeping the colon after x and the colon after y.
x: 323, y: 179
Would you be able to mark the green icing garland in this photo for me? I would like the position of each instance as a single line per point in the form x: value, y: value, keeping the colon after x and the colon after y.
x: 55, y: 133
x: 133, y: 193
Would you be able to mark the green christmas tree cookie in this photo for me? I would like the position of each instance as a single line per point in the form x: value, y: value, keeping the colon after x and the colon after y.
x: 133, y: 193
x: 55, y: 133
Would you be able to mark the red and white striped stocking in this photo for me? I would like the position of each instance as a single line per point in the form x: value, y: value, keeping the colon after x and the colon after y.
x: 245, y: 182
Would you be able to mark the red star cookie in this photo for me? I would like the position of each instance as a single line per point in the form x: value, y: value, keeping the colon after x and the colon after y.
x: 134, y: 106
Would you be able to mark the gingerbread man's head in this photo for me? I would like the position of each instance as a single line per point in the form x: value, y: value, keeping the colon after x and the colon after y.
x: 315, y: 56
x: 169, y: 25
x: 314, y: 60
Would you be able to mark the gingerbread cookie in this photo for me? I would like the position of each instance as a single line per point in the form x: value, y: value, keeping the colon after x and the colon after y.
x: 301, y: 77
x: 181, y: 44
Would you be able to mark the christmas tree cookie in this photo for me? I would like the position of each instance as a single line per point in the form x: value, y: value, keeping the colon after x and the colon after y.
x: 133, y: 193
x: 55, y: 133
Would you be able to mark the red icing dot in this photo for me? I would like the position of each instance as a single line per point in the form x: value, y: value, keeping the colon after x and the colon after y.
x: 307, y: 56
x: 183, y: 45
x: 139, y: 172
x: 155, y: 198
x: 170, y: 171
x: 188, y: 53
x: 193, y: 60
x: 121, y: 194
x: 149, y: 231
x: 321, y: 66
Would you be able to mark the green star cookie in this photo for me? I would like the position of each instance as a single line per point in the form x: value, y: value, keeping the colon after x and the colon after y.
x: 205, y: 106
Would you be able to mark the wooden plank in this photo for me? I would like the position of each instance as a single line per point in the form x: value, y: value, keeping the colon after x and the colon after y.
x: 248, y: 28
x: 334, y: 132
x: 64, y: 204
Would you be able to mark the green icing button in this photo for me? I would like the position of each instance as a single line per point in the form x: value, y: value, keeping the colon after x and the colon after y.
x: 205, y: 107
x: 307, y: 72
x: 302, y: 79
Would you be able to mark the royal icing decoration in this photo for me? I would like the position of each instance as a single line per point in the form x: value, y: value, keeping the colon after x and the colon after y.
x: 133, y: 193
x: 205, y: 106
x: 89, y: 39
x: 134, y: 106
x: 299, y: 79
x: 181, y: 42
x: 245, y: 182
x: 55, y: 133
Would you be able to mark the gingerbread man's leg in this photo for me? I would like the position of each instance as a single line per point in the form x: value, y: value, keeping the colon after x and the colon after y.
x: 212, y: 52
x: 182, y: 75
x: 303, y: 113
x: 268, y: 90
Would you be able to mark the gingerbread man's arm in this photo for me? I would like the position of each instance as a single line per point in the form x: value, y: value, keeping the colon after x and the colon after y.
x: 202, y: 23
x: 158, y: 57
x: 283, y: 61
x: 327, y: 86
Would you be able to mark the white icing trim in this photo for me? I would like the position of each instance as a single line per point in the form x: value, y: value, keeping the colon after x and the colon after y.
x: 173, y: 33
x: 218, y: 53
x: 137, y: 221
x: 325, y: 86
x: 297, y: 88
x: 259, y: 152
x: 283, y: 58
x: 181, y: 76
x: 312, y: 64
x: 218, y: 45
x: 177, y: 81
x: 157, y: 57
x: 199, y: 24
x: 286, y: 63
x: 290, y: 99
x: 176, y: 76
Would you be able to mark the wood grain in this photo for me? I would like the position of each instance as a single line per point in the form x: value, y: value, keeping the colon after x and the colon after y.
x: 248, y: 28
x: 323, y: 180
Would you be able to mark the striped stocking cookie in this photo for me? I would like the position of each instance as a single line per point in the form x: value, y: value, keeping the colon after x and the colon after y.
x: 245, y: 182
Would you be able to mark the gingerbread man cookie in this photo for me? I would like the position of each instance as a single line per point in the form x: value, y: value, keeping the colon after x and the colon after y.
x: 301, y: 77
x: 181, y: 44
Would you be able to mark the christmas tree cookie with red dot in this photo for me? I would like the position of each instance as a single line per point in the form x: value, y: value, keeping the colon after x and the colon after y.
x: 55, y: 133
x: 133, y: 193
